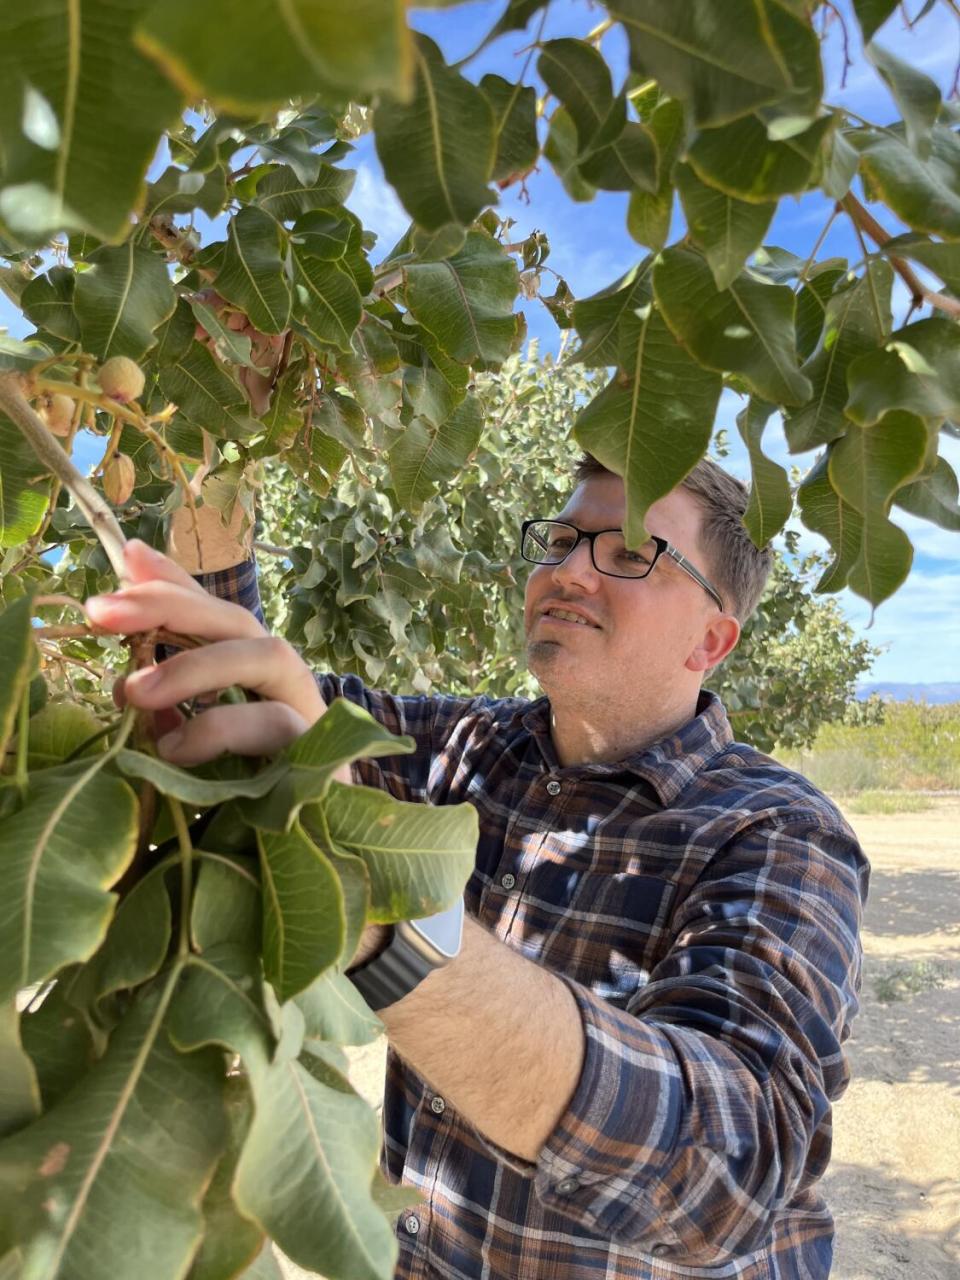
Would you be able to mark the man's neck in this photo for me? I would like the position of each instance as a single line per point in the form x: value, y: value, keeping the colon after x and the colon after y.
x: 596, y: 738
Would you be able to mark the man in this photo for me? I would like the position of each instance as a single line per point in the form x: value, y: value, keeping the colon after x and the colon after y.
x: 627, y: 1071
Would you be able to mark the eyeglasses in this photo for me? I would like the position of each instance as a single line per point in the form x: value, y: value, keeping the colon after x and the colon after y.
x: 551, y: 541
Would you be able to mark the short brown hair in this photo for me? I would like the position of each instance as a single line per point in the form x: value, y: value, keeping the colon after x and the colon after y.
x: 737, y: 567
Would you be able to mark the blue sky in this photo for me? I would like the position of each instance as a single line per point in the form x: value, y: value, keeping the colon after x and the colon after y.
x: 919, y: 628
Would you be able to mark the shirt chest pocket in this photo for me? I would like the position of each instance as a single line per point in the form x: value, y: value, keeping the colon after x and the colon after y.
x: 619, y: 924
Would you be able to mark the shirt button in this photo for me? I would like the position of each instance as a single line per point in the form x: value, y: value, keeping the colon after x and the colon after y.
x: 438, y: 1106
x: 508, y: 881
x: 411, y: 1225
x: 660, y: 1250
x: 553, y: 787
x: 567, y: 1186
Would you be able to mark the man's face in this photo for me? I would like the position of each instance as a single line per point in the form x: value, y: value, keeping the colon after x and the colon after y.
x: 637, y: 633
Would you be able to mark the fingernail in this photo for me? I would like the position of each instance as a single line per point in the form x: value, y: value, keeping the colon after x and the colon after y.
x: 144, y: 549
x: 170, y: 742
x: 147, y: 677
x: 99, y: 604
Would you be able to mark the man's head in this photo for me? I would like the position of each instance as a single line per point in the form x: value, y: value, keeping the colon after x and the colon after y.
x: 644, y: 643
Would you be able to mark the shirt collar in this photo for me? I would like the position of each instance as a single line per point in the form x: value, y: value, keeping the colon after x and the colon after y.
x: 668, y: 765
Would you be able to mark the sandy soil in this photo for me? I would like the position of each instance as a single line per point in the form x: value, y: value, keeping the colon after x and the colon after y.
x: 894, y: 1182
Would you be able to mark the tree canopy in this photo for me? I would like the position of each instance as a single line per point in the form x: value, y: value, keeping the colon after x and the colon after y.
x: 173, y: 942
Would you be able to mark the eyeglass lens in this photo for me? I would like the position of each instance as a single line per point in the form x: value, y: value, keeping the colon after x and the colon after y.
x: 550, y: 542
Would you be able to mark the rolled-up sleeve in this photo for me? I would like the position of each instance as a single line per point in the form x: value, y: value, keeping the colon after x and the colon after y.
x: 704, y: 1105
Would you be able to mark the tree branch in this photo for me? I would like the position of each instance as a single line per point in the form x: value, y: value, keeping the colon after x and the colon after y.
x: 102, y: 520
x: 863, y: 220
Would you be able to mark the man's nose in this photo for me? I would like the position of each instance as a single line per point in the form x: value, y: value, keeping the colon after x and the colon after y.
x: 578, y: 567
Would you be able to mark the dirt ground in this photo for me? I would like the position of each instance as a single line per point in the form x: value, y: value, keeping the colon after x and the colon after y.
x: 894, y: 1181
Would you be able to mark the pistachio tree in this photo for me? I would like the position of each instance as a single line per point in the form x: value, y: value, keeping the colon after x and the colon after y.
x: 172, y: 943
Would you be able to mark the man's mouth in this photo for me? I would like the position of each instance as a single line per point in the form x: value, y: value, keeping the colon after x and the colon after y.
x: 568, y: 615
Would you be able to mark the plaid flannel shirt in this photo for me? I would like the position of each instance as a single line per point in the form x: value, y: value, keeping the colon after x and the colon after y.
x: 703, y: 905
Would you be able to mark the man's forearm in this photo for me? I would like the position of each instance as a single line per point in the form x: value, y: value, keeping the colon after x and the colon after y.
x: 498, y: 1036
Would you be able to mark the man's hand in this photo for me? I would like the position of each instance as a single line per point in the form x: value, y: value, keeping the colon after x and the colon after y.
x: 242, y: 653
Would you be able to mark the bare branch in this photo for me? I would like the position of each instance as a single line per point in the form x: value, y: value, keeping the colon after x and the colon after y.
x: 102, y: 520
x: 863, y: 220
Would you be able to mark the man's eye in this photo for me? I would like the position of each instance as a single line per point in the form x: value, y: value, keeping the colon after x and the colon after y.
x: 560, y: 544
x: 634, y: 557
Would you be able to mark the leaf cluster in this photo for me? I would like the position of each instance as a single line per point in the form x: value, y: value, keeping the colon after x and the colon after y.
x: 159, y: 1037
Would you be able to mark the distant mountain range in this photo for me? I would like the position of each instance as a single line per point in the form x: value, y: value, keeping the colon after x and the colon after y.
x: 942, y: 692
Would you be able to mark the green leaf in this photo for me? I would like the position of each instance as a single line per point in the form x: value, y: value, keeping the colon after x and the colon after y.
x: 22, y: 503
x: 611, y: 152
x: 205, y: 395
x: 326, y: 303
x: 75, y: 1196
x: 58, y: 730
x: 872, y: 14
x: 279, y: 50
x: 286, y: 197
x: 252, y: 273
x: 229, y: 345
x: 48, y: 302
x: 561, y: 149
x: 725, y: 229
x: 857, y: 317
x: 192, y: 788
x: 303, y: 915
x: 426, y: 456
x: 598, y: 318
x: 226, y: 904
x: 942, y: 259
x: 354, y: 881
x: 324, y: 233
x: 219, y: 1002
x: 312, y: 1192
x: 344, y: 733
x: 741, y: 160
x: 333, y: 1009
x: 918, y: 371
x: 183, y: 190
x: 372, y: 370
x: 175, y: 336
x: 840, y: 167
x: 121, y: 299
x: 933, y: 497
x: 18, y: 662
x: 652, y: 422
x: 649, y: 215
x: 419, y: 856
x: 746, y: 329
x: 438, y: 150
x: 917, y: 96
x: 137, y: 940
x: 812, y: 301
x: 466, y: 301
x: 80, y: 64
x: 19, y: 1089
x: 925, y: 194
x: 230, y: 1241
x: 770, y: 498
x: 825, y: 512
x: 73, y: 838
x: 514, y: 109
x: 58, y: 1040
x: 690, y: 51
x: 867, y: 466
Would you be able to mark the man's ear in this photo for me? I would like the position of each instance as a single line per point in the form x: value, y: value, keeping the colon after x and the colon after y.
x: 719, y: 637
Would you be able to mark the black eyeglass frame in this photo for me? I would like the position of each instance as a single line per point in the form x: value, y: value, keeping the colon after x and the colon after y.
x: 664, y: 548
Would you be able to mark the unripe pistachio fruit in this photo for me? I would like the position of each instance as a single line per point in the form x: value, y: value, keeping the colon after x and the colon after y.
x: 121, y: 379
x: 57, y: 414
x: 119, y: 478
